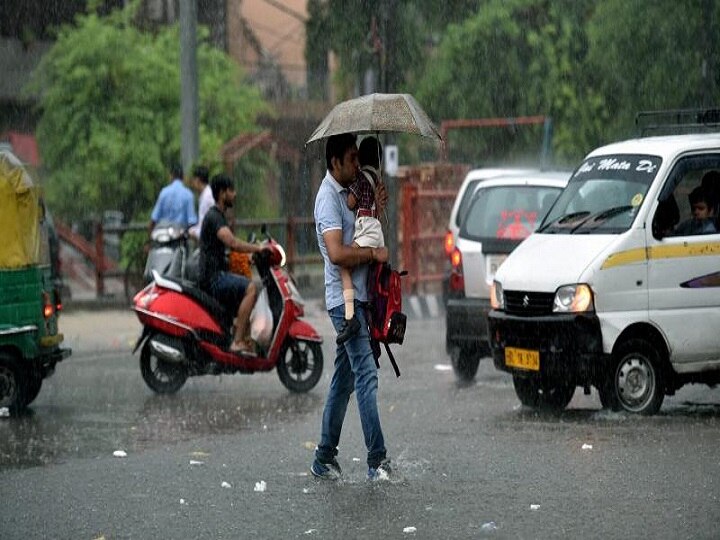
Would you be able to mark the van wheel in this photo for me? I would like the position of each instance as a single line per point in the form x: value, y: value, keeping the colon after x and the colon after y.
x: 12, y: 383
x: 638, y: 380
x: 554, y: 395
x: 465, y: 363
x: 161, y: 376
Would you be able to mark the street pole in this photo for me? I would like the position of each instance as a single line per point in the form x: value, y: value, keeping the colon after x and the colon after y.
x: 189, y: 84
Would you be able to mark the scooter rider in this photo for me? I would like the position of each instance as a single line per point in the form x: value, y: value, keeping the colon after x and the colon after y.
x: 234, y: 291
x: 175, y: 204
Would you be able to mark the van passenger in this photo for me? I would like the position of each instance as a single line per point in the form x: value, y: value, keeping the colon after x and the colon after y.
x: 703, y: 220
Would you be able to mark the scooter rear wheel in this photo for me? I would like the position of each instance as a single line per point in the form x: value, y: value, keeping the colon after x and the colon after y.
x: 300, y: 365
x: 161, y: 376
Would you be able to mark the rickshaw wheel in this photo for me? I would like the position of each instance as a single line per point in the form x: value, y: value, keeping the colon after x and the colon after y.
x: 32, y: 388
x: 12, y: 383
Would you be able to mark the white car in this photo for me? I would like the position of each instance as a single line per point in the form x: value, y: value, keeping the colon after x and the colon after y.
x: 462, y: 200
x: 618, y: 288
x: 500, y: 213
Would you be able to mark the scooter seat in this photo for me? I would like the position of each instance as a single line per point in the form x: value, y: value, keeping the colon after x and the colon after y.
x: 215, y: 308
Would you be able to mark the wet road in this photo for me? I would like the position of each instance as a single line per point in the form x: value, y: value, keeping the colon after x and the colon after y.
x: 470, y: 462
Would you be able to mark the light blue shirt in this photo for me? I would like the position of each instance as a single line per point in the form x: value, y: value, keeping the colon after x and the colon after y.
x: 175, y: 205
x: 332, y: 213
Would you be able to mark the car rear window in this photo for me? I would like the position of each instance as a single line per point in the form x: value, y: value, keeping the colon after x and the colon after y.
x: 507, y: 212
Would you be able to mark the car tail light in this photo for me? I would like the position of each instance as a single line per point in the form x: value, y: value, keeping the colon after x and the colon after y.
x: 449, y: 243
x: 457, y: 280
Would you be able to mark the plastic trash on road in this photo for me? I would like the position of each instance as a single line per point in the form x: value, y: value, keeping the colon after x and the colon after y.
x: 260, y: 486
x: 226, y: 485
x: 120, y: 453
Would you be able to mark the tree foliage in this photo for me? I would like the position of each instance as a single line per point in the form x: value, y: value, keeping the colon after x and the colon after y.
x: 588, y: 65
x: 110, y: 123
x: 654, y: 55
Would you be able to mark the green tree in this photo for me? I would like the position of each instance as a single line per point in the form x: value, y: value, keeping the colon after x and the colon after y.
x: 653, y: 55
x: 110, y: 123
x: 387, y: 36
x: 480, y: 69
x: 517, y: 58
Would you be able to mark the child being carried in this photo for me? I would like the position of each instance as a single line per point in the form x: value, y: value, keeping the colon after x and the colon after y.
x: 368, y: 230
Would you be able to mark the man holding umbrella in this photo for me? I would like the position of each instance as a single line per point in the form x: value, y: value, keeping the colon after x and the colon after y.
x: 355, y: 368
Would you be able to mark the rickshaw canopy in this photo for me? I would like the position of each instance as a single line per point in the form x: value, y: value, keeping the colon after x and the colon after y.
x: 20, y: 214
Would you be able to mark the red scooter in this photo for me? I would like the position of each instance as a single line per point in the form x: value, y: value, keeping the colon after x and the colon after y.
x: 187, y: 333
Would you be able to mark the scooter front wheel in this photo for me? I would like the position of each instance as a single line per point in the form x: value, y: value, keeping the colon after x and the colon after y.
x: 160, y: 375
x: 300, y: 365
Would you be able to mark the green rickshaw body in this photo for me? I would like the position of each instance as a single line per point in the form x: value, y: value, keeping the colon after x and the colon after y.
x: 30, y: 342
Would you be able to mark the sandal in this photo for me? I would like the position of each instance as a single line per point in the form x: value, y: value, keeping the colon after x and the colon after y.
x: 244, y: 348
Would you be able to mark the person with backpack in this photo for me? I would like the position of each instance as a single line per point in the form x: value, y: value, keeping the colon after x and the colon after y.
x: 368, y: 229
x: 355, y: 368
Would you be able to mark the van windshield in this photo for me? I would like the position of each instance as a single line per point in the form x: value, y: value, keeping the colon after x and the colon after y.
x: 507, y: 212
x: 603, y: 195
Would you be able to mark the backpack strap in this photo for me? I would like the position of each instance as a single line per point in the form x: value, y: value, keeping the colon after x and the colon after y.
x: 392, y: 360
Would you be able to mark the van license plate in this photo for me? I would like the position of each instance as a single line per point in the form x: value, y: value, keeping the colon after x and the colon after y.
x: 522, y: 358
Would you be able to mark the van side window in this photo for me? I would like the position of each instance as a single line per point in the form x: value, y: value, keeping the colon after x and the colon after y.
x: 689, y: 202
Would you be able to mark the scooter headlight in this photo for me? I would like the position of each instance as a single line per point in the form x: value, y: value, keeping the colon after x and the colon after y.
x: 574, y: 299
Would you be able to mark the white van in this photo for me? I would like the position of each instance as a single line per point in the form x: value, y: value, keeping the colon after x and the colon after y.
x: 619, y: 288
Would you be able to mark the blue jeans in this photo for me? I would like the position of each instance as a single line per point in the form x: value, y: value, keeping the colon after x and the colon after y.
x: 354, y: 370
x: 229, y: 289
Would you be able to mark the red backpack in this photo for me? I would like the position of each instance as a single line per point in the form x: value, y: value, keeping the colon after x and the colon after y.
x: 385, y: 317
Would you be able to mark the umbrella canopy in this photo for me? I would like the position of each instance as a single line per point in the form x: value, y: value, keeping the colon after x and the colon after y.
x: 377, y: 113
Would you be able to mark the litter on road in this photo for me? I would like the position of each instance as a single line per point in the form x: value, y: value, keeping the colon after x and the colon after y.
x: 120, y: 453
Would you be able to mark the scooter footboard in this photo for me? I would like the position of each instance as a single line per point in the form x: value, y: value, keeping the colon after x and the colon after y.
x: 302, y: 330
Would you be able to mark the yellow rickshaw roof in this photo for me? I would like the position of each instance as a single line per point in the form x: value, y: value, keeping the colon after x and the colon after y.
x: 20, y: 214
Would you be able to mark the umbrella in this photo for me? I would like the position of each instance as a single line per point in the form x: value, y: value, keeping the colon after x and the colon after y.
x: 377, y: 113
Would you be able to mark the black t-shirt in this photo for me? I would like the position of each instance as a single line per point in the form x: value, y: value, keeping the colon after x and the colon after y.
x: 212, y: 250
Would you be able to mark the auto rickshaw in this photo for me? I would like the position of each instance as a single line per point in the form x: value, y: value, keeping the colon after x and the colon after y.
x: 30, y: 301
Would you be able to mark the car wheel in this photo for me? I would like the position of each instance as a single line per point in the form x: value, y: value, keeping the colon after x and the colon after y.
x: 465, y: 363
x: 638, y: 380
x: 554, y: 395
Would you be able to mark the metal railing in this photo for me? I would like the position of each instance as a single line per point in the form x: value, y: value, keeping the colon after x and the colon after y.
x: 300, y: 245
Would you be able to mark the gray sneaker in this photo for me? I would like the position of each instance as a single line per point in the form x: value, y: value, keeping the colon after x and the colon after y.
x: 328, y: 470
x: 381, y: 472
